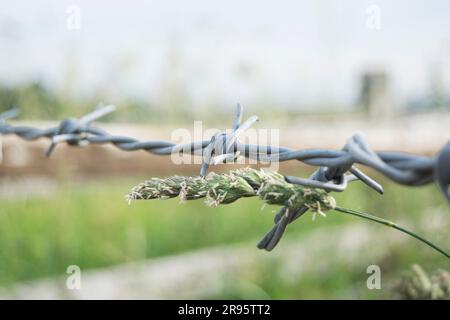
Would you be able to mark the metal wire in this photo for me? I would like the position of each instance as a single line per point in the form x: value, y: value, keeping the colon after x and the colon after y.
x: 336, y: 167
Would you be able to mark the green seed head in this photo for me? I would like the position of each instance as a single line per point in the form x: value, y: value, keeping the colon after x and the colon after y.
x: 227, y: 188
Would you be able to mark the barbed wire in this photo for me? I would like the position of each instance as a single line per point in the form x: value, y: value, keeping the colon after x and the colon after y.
x: 336, y: 167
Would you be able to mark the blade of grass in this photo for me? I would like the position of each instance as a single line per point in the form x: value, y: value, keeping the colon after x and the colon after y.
x: 393, y: 225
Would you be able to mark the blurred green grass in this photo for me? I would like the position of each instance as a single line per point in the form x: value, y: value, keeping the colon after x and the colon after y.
x: 91, y: 225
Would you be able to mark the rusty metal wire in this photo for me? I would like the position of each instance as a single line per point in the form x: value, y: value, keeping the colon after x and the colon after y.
x: 335, y: 167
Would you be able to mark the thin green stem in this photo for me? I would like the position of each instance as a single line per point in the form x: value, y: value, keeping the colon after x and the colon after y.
x: 393, y: 225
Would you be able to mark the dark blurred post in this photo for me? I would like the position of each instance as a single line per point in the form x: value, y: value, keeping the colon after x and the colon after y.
x: 374, y: 97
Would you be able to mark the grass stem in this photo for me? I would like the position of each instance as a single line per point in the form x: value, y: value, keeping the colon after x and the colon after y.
x: 393, y: 225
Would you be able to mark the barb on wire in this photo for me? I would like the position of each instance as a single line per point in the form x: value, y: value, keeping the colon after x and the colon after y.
x: 222, y: 147
x: 335, y: 167
x: 9, y: 114
x: 71, y: 130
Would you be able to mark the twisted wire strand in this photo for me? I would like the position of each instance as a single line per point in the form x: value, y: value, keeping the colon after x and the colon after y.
x: 336, y: 167
x: 400, y: 167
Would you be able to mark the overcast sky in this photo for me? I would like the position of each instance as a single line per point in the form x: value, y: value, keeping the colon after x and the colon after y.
x: 288, y: 51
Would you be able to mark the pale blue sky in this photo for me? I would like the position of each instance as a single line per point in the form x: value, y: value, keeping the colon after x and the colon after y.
x: 288, y: 52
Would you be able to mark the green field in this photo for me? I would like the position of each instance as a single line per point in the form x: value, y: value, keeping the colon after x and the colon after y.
x: 90, y: 224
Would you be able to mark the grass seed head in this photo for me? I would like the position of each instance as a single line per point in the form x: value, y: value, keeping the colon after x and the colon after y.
x: 271, y: 187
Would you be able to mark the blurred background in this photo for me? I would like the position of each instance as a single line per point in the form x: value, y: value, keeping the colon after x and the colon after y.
x: 318, y: 71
